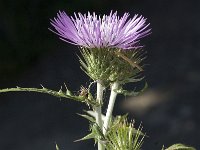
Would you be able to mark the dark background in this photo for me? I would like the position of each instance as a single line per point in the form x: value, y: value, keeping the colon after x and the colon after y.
x: 31, y: 55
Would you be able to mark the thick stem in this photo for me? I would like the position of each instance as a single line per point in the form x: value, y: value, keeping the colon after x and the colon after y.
x: 111, y: 104
x: 97, y: 110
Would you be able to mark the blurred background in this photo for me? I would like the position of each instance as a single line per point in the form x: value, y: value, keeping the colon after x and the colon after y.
x: 31, y: 55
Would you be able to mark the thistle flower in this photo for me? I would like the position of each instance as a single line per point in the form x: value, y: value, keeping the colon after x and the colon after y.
x: 107, y: 31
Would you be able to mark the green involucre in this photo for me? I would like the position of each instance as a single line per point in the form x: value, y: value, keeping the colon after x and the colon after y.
x: 111, y: 65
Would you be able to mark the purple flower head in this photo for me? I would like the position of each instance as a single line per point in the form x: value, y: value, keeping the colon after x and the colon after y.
x: 108, y: 31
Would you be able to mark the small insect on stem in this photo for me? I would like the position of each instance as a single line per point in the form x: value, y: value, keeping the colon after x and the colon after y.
x: 83, y: 91
x: 133, y: 64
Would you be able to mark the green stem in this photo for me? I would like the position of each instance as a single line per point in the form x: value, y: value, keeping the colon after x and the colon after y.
x: 97, y: 110
x: 111, y: 104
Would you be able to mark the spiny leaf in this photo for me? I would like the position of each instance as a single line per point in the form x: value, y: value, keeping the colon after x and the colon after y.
x: 131, y: 80
x: 131, y: 93
x: 57, y: 148
x: 93, y: 114
x: 180, y: 147
x: 91, y: 119
x: 87, y: 137
x: 95, y: 133
x: 60, y: 94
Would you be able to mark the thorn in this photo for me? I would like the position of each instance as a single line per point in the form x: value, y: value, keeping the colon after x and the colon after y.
x: 65, y: 86
x: 42, y: 86
x: 57, y: 148
x: 60, y: 91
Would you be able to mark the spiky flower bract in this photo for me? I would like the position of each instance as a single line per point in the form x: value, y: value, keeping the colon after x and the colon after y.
x: 95, y: 31
x: 123, y: 136
x: 108, y: 66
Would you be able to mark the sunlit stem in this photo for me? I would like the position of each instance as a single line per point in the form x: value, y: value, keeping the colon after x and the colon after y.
x: 97, y: 110
x: 111, y: 104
